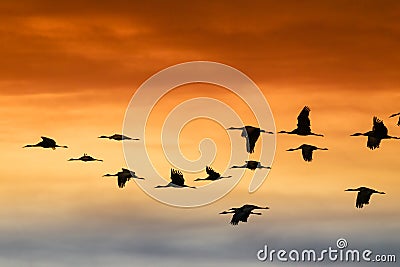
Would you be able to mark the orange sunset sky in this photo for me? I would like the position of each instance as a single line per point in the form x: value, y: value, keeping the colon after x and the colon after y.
x: 69, y: 71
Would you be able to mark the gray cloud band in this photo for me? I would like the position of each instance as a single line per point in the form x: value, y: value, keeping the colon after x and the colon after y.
x: 154, y: 89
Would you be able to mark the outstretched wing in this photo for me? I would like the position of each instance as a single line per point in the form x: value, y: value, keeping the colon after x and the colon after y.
x: 394, y: 115
x: 177, y: 177
x: 307, y: 152
x: 211, y: 172
x: 240, y: 216
x: 252, y: 165
x: 253, y: 134
x: 363, y: 198
x: 373, y: 142
x: 128, y: 172
x: 48, y: 141
x: 379, y: 128
x: 122, y: 179
x: 303, y: 121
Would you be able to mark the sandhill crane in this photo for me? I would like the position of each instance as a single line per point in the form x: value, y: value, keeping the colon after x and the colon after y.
x: 177, y: 180
x: 251, y: 165
x: 363, y: 196
x: 303, y: 124
x: 212, y: 175
x: 118, y: 137
x: 124, y: 176
x: 251, y: 134
x: 394, y: 115
x: 242, y: 214
x: 379, y: 132
x: 307, y: 151
x: 85, y: 158
x: 46, y: 143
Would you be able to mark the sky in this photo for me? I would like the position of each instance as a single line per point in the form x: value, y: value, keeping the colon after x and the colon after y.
x: 69, y: 71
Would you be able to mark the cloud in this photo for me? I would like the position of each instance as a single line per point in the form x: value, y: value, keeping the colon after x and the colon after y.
x: 71, y: 47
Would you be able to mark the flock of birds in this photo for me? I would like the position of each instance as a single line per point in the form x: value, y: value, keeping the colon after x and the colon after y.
x: 251, y: 134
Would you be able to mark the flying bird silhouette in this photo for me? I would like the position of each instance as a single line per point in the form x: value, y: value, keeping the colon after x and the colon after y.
x: 307, y: 151
x: 46, y: 143
x: 251, y: 134
x: 85, y: 158
x: 363, y: 196
x: 242, y: 214
x: 177, y: 180
x: 379, y: 132
x: 124, y: 176
x: 212, y: 175
x: 118, y: 137
x: 251, y: 165
x: 394, y: 115
x: 303, y: 124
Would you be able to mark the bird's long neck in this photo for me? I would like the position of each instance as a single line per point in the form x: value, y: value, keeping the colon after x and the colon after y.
x: 317, y: 134
x: 61, y: 146
x: 358, y: 134
x: 227, y: 212
x: 263, y: 167
x: 324, y: 148
x: 162, y: 186
x: 235, y: 128
x: 267, y: 132
x: 31, y: 146
x: 286, y: 132
x: 237, y: 167
x: 200, y: 179
x: 106, y: 175
x: 72, y: 159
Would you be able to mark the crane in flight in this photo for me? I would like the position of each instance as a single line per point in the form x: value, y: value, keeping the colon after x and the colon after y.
x: 307, y: 151
x: 251, y: 165
x: 124, y: 176
x: 177, y: 180
x: 303, y: 124
x: 118, y: 137
x: 46, y: 143
x: 242, y: 214
x: 364, y: 194
x: 85, y: 158
x: 251, y: 134
x: 212, y: 175
x: 375, y: 136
